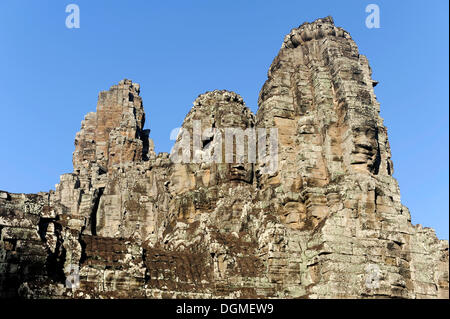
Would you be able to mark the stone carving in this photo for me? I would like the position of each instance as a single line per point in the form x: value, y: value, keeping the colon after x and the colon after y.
x: 328, y: 223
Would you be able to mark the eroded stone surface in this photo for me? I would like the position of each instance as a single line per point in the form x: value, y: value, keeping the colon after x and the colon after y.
x: 328, y: 223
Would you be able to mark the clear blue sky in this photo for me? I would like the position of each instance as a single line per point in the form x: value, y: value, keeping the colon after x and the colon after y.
x: 51, y: 75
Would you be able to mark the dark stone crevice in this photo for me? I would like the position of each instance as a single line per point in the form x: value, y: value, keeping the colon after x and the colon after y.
x: 83, y: 249
x: 55, y: 260
x: 144, y: 259
x: 43, y: 226
x: 376, y: 165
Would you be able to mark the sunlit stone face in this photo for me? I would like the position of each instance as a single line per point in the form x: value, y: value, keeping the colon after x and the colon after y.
x: 365, y: 148
x: 206, y: 124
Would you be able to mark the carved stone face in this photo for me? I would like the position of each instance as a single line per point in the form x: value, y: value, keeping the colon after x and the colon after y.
x: 213, y: 113
x: 365, y: 147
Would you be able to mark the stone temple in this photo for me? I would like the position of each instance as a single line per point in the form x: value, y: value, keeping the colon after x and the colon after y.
x: 328, y: 223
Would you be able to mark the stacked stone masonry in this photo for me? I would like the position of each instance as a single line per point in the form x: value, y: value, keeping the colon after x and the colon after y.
x: 328, y: 223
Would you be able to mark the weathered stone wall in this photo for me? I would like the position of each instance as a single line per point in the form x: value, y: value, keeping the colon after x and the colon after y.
x: 328, y: 223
